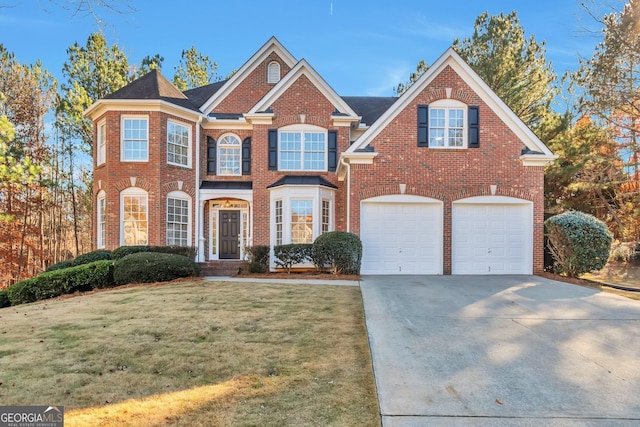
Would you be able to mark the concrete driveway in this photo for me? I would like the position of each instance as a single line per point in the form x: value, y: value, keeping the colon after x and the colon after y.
x: 502, y: 351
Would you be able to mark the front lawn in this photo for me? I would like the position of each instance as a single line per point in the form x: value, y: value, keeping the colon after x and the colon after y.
x: 194, y: 353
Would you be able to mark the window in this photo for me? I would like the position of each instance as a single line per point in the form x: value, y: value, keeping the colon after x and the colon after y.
x: 300, y: 213
x: 101, y: 220
x: 303, y: 150
x: 301, y: 221
x: 135, y: 140
x: 214, y: 232
x: 326, y: 216
x: 273, y: 72
x: 134, y: 217
x: 229, y: 155
x: 177, y: 144
x: 102, y: 144
x: 177, y: 219
x: 446, y: 127
x: 278, y: 222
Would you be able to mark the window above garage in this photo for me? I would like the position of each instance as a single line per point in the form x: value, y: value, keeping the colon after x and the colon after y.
x: 448, y: 123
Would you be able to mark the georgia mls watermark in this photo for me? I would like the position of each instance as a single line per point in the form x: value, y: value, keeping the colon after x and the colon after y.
x: 31, y: 416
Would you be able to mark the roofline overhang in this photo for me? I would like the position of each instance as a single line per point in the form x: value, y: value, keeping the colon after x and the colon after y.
x: 356, y: 158
x: 135, y: 105
x: 537, y: 159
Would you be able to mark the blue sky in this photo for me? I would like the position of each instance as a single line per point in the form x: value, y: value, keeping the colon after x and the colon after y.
x: 359, y: 47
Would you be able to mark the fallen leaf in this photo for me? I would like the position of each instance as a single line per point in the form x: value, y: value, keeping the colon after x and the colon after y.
x: 499, y: 402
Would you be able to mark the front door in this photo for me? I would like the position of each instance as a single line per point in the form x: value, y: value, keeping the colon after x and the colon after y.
x: 229, y: 234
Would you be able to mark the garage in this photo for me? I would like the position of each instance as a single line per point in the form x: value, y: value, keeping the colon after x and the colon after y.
x: 401, y: 234
x: 492, y: 235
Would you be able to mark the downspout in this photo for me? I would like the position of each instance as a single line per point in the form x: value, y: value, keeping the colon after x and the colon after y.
x: 199, y: 257
x: 348, y: 165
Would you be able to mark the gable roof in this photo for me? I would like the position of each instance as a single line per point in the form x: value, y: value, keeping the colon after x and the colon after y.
x: 153, y: 85
x: 272, y: 45
x: 472, y: 79
x: 303, y: 68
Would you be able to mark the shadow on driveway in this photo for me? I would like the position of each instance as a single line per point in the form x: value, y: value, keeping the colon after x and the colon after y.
x: 502, y: 350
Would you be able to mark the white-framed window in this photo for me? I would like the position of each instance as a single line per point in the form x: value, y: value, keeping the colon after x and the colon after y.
x: 178, y: 219
x: 101, y: 219
x: 301, y: 221
x: 300, y: 213
x: 178, y: 144
x: 134, y: 214
x: 273, y: 72
x: 135, y: 139
x: 101, y: 153
x: 447, y: 124
x: 302, y: 148
x: 214, y: 233
x: 229, y: 155
x: 326, y: 216
x: 278, y: 222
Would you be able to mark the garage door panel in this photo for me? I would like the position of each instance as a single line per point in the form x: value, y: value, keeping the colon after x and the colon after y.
x: 401, y: 238
x: 491, y: 238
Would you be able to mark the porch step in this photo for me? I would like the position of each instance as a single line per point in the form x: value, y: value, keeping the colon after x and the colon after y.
x: 220, y: 268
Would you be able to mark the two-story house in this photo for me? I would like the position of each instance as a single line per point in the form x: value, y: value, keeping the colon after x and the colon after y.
x: 444, y: 179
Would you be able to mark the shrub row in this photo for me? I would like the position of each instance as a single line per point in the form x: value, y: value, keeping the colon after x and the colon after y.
x: 140, y: 267
x: 258, y: 259
x: 89, y: 257
x: 149, y: 267
x: 338, y: 250
x: 122, y: 251
x: 98, y: 274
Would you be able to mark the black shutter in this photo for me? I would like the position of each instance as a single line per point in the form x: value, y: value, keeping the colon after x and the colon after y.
x: 246, y: 156
x: 423, y: 125
x: 273, y: 149
x: 474, y: 127
x: 211, y: 156
x: 333, y: 150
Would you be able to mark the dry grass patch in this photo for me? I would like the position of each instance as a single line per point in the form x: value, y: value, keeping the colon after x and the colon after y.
x: 193, y: 353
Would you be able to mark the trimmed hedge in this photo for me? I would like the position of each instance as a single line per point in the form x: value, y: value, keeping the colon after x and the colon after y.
x: 123, y: 251
x: 579, y: 242
x: 339, y: 250
x: 97, y: 255
x: 149, y: 267
x: 257, y: 258
x: 51, y: 284
x: 4, y: 299
x: 286, y: 256
x: 60, y: 265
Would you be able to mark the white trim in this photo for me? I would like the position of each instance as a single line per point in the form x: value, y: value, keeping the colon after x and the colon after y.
x: 483, y: 200
x: 215, y: 212
x: 401, y: 198
x: 451, y: 59
x: 180, y: 195
x: 124, y: 118
x: 448, y: 105
x: 143, y: 105
x: 189, y: 144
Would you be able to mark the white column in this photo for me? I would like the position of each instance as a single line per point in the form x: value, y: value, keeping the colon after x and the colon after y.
x: 201, y: 231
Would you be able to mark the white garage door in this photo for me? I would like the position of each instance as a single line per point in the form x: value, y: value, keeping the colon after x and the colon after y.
x: 401, y: 235
x: 492, y: 235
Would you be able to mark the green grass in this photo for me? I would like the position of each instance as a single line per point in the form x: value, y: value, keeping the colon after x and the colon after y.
x: 193, y: 353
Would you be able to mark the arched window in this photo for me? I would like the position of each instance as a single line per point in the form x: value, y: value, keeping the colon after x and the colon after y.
x: 178, y: 219
x: 273, y: 73
x: 229, y: 155
x: 447, y: 124
x: 134, y: 216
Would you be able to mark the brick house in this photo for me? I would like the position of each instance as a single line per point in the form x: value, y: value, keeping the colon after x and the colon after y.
x: 444, y: 179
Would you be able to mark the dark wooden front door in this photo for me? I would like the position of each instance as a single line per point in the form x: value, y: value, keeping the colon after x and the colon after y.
x: 229, y: 234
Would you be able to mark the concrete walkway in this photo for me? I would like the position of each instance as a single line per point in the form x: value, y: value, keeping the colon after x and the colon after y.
x: 502, y: 351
